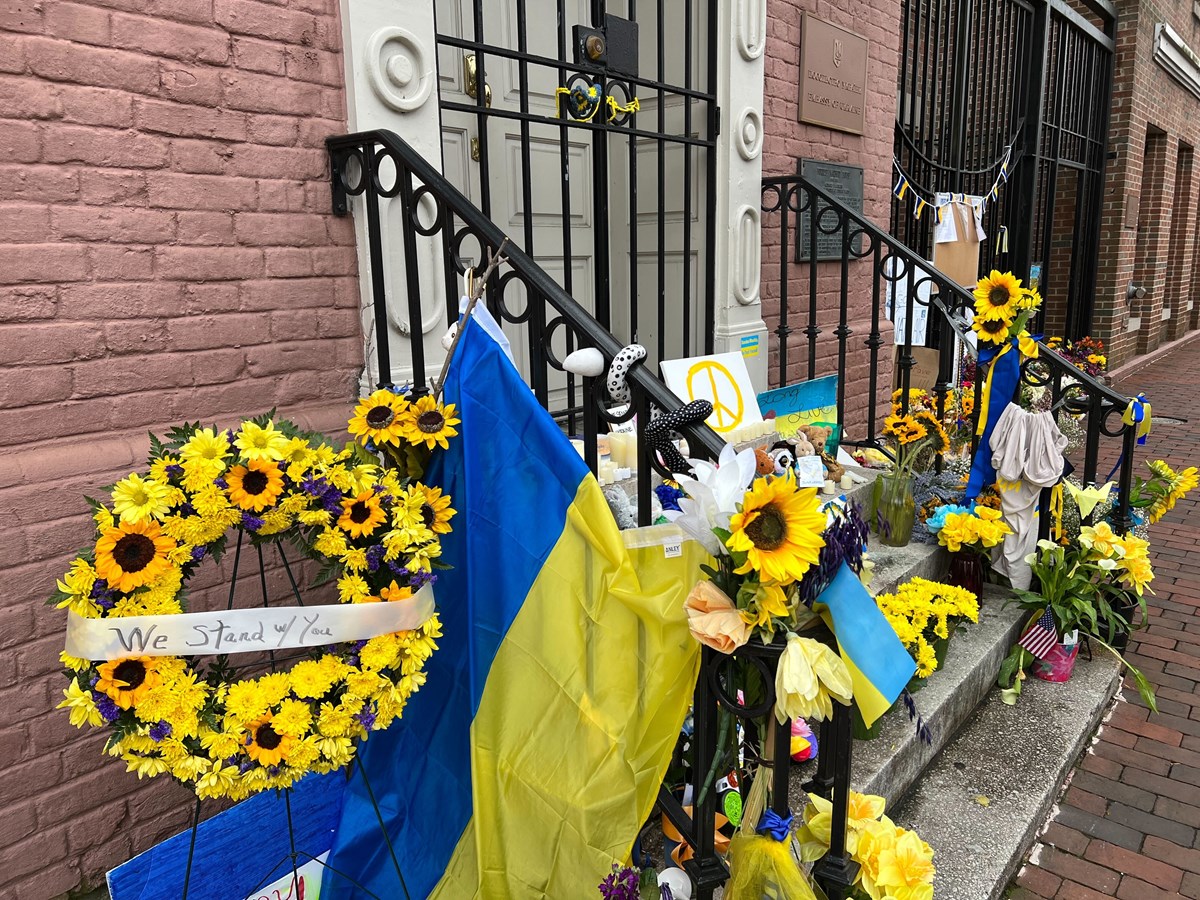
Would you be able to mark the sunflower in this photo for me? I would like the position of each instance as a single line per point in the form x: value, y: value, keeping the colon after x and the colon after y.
x: 779, y: 529
x: 136, y: 498
x: 996, y: 296
x: 429, y: 423
x: 256, y: 485
x: 940, y: 441
x: 435, y: 510
x: 264, y: 744
x: 132, y: 554
x: 361, y: 515
x: 905, y: 429
x: 127, y: 681
x: 991, y: 331
x: 1029, y: 299
x: 379, y: 418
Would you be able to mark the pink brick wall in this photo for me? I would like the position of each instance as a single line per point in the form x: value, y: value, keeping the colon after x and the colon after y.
x: 166, y: 253
x: 786, y: 140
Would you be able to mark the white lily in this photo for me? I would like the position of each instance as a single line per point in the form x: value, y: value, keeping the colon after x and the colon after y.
x: 713, y: 495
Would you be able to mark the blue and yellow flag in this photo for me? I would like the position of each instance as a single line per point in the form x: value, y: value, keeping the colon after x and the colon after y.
x: 532, y: 755
x: 879, y: 665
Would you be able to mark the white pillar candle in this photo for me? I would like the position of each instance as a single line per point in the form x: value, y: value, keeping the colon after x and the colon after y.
x: 829, y: 488
x: 847, y: 482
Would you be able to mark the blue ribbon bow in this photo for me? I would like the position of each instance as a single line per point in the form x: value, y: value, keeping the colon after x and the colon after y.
x: 775, y: 825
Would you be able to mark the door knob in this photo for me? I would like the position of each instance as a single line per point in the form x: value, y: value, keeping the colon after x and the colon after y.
x: 471, y: 78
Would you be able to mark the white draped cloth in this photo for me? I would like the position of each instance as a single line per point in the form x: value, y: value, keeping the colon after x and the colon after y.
x: 1027, y: 452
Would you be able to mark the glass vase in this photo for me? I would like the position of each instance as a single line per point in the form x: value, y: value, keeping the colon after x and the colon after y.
x: 966, y: 571
x: 894, y: 509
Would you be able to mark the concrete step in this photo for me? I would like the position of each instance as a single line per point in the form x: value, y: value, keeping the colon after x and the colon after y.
x: 1014, y: 759
x: 888, y: 765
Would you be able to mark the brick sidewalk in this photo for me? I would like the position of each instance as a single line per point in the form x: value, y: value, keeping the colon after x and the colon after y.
x: 1127, y: 825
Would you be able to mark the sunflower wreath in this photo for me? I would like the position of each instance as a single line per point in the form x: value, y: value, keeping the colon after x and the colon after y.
x: 373, y: 529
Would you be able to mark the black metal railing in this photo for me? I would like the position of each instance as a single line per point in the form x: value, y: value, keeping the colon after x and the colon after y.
x: 379, y: 166
x: 869, y: 263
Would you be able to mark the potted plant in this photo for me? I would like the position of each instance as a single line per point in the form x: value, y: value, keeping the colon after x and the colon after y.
x: 969, y: 534
x: 1076, y: 585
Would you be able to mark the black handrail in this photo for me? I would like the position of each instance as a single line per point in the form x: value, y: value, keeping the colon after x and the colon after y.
x: 357, y: 161
x: 787, y: 200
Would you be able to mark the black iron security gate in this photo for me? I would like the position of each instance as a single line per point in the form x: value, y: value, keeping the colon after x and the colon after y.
x: 1010, y: 95
x: 587, y: 129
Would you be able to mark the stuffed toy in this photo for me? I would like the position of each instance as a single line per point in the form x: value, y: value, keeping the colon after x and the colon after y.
x: 764, y: 465
x: 818, y: 435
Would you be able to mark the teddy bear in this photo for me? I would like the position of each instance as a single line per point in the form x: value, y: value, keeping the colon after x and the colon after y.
x: 818, y: 435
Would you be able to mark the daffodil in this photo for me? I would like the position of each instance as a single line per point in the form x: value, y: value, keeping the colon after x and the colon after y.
x: 1101, y: 540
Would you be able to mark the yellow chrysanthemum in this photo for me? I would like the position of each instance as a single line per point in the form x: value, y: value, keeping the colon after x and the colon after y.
x: 430, y: 423
x: 77, y: 584
x: 996, y: 296
x: 82, y: 706
x: 256, y: 485
x: 259, y: 442
x: 362, y: 514
x: 136, y: 499
x: 293, y: 719
x: 310, y: 679
x: 132, y: 554
x: 379, y: 418
x: 779, y: 529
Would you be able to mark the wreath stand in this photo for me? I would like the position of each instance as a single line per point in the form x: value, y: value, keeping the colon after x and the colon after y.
x: 295, y: 857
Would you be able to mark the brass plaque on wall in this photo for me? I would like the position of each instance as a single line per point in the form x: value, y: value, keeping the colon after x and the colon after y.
x: 833, y: 76
x: 842, y: 182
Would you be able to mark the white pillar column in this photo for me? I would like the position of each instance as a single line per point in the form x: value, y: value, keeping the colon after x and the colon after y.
x: 741, y: 42
x: 390, y: 52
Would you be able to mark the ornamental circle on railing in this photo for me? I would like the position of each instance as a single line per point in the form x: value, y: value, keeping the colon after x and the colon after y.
x: 350, y: 168
x: 462, y: 264
x: 377, y: 172
x: 423, y: 199
x: 764, y: 659
x: 552, y: 358
x: 503, y: 295
x: 623, y: 95
x: 1107, y: 412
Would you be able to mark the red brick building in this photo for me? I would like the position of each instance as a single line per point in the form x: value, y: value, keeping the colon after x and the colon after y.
x: 167, y: 253
x: 1146, y: 291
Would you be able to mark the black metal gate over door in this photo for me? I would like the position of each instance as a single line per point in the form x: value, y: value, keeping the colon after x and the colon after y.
x: 587, y: 130
x: 1030, y: 81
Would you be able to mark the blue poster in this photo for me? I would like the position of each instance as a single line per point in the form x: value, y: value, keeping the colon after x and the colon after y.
x: 808, y: 403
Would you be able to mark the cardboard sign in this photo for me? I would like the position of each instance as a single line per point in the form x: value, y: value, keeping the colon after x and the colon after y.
x: 924, y: 373
x: 808, y: 403
x: 723, y: 380
x: 958, y: 257
x: 241, y: 849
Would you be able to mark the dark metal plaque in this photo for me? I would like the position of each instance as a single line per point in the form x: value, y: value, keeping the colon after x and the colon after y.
x: 842, y: 182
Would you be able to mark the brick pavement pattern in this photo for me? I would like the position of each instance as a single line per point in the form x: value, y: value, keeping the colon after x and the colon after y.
x: 1127, y: 824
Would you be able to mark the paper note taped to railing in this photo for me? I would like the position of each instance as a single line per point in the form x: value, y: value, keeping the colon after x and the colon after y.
x: 244, y: 630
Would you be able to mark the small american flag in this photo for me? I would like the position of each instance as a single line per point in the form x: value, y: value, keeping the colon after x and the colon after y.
x: 1040, y: 637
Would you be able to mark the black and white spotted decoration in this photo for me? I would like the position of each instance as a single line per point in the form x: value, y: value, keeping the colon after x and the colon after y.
x: 621, y: 364
x: 658, y: 432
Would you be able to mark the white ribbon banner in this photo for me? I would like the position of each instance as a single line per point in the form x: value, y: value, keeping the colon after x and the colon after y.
x: 244, y: 630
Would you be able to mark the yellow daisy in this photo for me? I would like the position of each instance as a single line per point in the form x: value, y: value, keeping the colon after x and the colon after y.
x: 429, y: 423
x: 258, y: 442
x: 136, y: 498
x: 131, y: 555
x: 379, y: 418
x: 256, y: 485
x: 779, y: 529
x: 207, y: 446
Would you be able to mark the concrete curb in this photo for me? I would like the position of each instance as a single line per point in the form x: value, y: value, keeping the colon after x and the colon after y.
x: 1136, y: 365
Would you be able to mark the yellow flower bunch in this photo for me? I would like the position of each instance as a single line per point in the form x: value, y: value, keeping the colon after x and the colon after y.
x: 922, y: 611
x: 387, y: 421
x: 1127, y: 557
x: 227, y: 737
x: 904, y: 429
x: 893, y: 861
x: 984, y: 528
x: 1171, y: 487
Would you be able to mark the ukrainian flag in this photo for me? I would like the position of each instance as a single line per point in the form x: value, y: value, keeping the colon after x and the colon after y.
x: 531, y: 757
x: 880, y: 667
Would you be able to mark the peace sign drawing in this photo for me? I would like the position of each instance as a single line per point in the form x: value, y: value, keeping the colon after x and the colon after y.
x: 722, y: 380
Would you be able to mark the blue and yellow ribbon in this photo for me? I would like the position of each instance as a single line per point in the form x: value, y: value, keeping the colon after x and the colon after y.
x: 1137, y: 413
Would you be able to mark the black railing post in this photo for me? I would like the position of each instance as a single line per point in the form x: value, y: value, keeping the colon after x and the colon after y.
x: 370, y: 177
x: 1024, y: 182
x: 835, y: 871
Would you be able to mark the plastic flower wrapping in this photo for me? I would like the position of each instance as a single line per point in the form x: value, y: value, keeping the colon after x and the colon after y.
x: 376, y: 532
